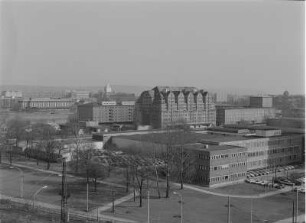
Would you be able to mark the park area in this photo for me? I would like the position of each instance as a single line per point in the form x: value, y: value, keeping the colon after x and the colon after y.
x: 202, y: 207
x: 197, y: 206
x: 34, y: 181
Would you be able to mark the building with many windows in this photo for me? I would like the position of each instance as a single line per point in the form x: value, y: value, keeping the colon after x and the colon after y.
x: 46, y: 103
x: 227, y: 115
x: 107, y: 112
x: 164, y: 106
x: 218, y: 164
x: 220, y: 158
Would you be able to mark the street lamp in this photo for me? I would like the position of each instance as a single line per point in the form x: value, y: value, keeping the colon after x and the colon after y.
x: 43, y: 187
x: 181, y: 197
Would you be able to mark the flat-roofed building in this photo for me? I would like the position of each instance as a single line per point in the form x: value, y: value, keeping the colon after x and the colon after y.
x: 107, y: 112
x: 234, y: 115
x: 261, y: 101
x: 265, y: 151
x: 46, y: 103
x: 218, y: 164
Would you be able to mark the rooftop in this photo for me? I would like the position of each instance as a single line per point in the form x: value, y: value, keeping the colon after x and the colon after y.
x: 182, y: 138
x: 201, y: 147
x: 177, y: 138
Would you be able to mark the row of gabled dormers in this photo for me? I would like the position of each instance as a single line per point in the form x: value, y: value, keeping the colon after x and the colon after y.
x: 180, y: 95
x: 174, y: 95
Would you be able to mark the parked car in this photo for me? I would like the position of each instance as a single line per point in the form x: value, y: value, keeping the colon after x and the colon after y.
x: 248, y: 180
x: 270, y: 185
x: 262, y: 183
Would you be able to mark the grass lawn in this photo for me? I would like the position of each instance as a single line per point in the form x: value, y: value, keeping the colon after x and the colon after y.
x: 33, y: 181
x: 116, y: 174
x: 200, y: 207
x: 241, y: 189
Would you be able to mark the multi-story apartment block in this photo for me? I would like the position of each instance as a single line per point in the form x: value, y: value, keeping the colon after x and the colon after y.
x: 107, y: 112
x: 164, y: 106
x: 234, y: 115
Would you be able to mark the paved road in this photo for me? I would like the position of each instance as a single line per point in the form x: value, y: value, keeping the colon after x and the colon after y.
x: 116, y: 202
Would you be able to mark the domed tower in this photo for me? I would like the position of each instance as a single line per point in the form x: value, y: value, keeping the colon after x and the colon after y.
x: 108, y: 89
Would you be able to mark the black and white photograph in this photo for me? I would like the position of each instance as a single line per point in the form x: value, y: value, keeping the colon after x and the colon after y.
x: 152, y: 111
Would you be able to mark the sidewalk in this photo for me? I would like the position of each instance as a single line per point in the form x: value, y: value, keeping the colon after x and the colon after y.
x: 301, y: 219
x: 262, y: 195
x: 116, y: 202
x: 59, y: 173
x: 40, y: 205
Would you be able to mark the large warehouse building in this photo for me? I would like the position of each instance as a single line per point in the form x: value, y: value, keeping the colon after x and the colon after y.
x: 220, y: 158
x: 164, y: 106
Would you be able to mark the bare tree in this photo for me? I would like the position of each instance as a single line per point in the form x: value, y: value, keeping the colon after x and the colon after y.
x: 73, y: 129
x: 16, y: 129
x: 96, y: 170
x: 141, y: 174
x: 46, y: 135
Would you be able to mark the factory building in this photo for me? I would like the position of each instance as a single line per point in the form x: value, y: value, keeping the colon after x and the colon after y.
x: 224, y: 157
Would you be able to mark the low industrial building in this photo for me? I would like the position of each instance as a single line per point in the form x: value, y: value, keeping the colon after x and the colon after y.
x: 218, y: 164
x: 215, y: 153
x: 234, y: 115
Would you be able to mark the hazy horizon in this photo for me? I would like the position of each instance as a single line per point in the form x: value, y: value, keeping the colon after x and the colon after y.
x: 257, y: 45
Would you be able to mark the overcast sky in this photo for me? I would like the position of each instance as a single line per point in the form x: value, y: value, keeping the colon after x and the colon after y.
x: 224, y: 44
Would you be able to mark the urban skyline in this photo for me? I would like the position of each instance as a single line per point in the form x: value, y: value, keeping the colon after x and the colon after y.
x: 256, y: 45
